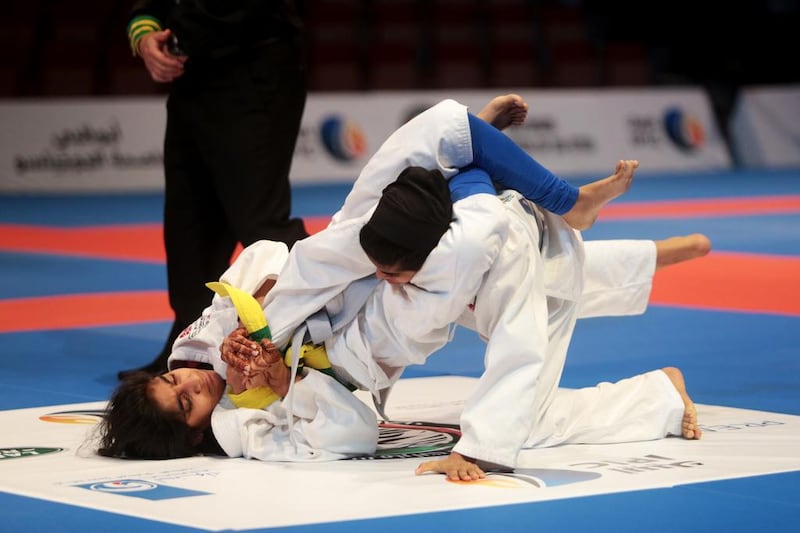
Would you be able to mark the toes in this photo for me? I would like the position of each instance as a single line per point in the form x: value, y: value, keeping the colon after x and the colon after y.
x: 689, y: 426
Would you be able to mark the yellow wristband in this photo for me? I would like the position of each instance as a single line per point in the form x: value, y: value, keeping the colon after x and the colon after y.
x: 138, y: 28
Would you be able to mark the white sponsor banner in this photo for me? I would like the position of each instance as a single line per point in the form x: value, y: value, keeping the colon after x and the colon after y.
x: 586, y: 132
x: 42, y: 458
x: 95, y: 145
x: 116, y: 145
x: 572, y: 132
x: 765, y: 127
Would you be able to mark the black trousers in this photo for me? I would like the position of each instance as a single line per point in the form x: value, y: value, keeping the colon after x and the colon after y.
x: 232, y: 125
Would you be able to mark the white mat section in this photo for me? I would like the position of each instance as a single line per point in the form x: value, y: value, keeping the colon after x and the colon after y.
x: 218, y: 493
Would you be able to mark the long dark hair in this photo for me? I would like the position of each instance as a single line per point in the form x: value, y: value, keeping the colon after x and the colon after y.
x: 133, y: 426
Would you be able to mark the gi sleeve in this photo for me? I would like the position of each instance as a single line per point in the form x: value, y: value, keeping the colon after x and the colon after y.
x: 330, y: 423
x: 438, y: 138
x: 320, y: 267
x: 200, y: 342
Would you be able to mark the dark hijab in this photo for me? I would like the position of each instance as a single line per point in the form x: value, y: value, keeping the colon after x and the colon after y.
x: 414, y: 211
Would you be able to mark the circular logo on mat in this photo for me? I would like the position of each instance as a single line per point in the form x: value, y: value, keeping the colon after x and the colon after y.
x: 128, y: 485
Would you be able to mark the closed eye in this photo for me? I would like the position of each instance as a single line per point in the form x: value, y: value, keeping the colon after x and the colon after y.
x: 183, y: 401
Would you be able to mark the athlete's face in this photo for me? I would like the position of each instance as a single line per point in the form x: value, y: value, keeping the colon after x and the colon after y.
x: 393, y: 275
x: 189, y: 394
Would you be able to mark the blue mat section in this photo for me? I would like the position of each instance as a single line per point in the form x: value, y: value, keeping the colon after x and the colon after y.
x: 736, y: 359
x: 69, y: 210
x: 39, y: 516
x: 763, y: 234
x: 29, y: 275
x: 649, y: 186
x: 66, y: 210
x: 72, y: 366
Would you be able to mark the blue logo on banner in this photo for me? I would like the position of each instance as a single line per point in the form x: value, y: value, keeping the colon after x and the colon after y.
x: 140, y: 488
x: 684, y: 129
x: 343, y: 138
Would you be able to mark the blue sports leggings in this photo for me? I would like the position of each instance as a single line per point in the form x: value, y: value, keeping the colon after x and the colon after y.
x: 510, y: 166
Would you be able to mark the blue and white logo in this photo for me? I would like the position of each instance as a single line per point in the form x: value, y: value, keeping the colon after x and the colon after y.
x: 684, y: 129
x: 343, y: 139
x: 141, y: 488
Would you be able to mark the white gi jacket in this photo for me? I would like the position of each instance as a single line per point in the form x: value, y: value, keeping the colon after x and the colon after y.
x: 487, y: 273
x: 438, y: 138
x: 328, y: 423
x: 322, y: 421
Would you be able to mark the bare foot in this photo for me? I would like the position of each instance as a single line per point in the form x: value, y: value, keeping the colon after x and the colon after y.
x: 504, y: 111
x: 691, y: 430
x: 592, y: 197
x: 677, y: 249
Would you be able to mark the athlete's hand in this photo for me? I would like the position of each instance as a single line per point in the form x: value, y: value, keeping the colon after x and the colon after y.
x: 255, y: 365
x: 269, y: 369
x: 235, y: 380
x: 238, y: 350
x: 456, y: 467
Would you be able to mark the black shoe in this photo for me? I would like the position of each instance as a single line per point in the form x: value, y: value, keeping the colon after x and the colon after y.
x: 157, y: 366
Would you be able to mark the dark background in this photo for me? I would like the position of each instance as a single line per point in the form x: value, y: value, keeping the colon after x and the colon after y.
x: 58, y: 48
